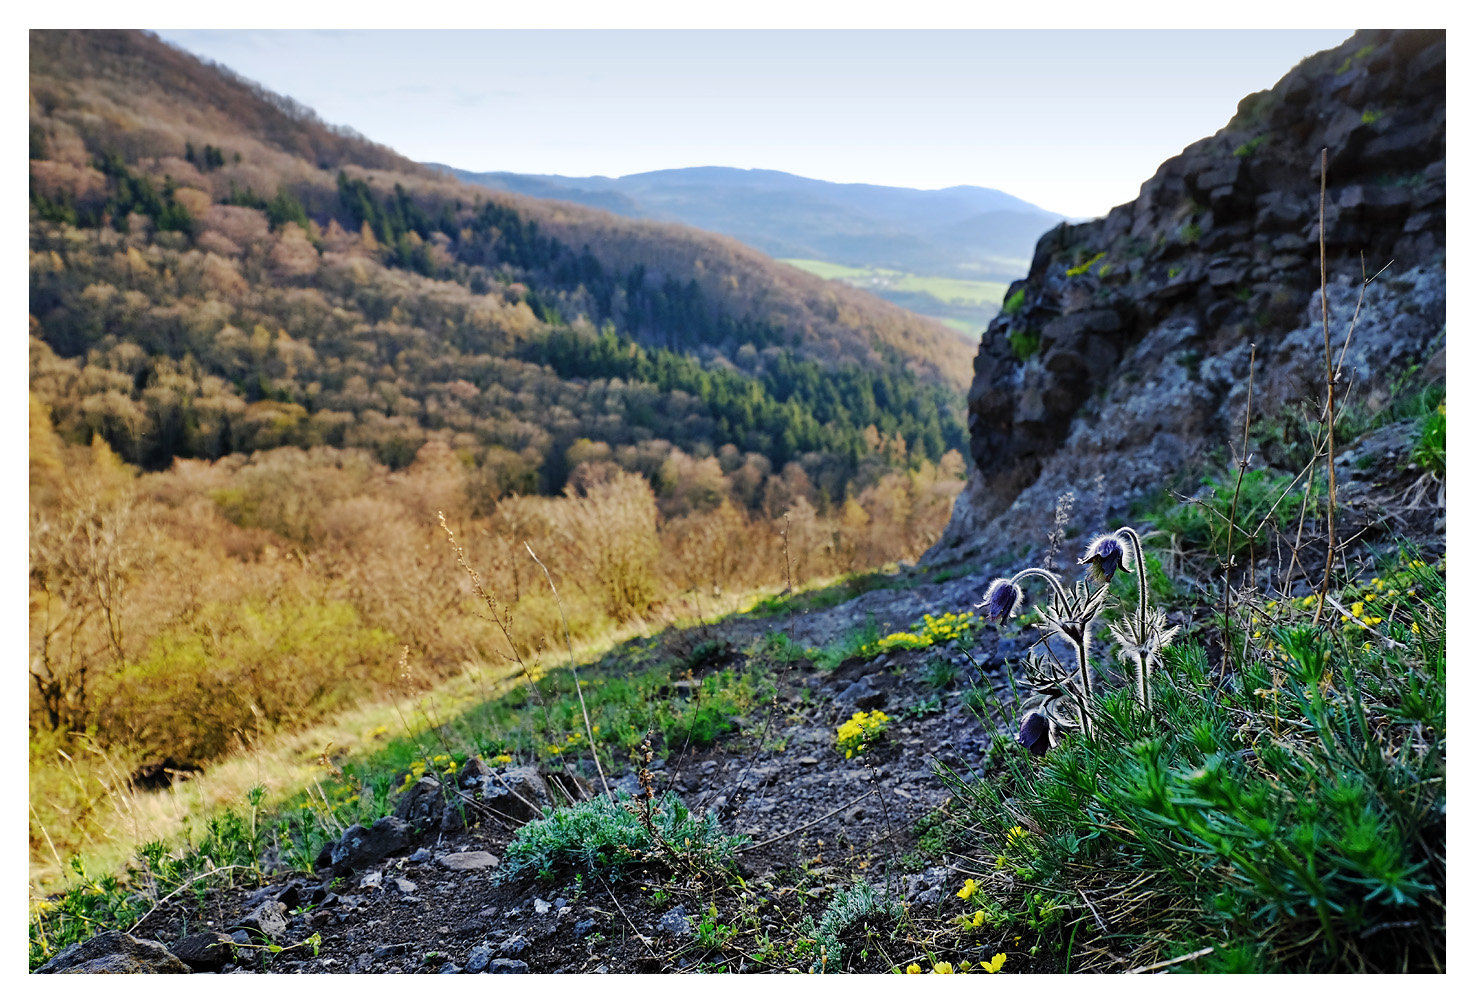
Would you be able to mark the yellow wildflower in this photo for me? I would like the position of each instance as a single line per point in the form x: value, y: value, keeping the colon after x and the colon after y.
x: 995, y: 964
x: 969, y: 888
x: 914, y: 968
x: 943, y: 967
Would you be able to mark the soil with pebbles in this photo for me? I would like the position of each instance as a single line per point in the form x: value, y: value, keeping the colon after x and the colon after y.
x: 815, y: 821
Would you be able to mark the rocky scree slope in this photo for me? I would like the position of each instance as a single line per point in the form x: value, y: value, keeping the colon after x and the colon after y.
x: 1123, y: 356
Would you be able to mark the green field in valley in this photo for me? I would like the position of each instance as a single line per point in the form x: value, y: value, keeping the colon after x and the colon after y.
x: 964, y: 305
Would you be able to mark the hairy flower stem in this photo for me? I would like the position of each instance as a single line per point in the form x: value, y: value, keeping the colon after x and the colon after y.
x: 1140, y: 657
x: 1080, y: 645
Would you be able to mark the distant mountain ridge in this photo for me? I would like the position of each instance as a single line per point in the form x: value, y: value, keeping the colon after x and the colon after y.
x: 965, y: 232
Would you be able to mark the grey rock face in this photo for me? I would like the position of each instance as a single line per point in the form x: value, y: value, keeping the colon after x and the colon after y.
x: 115, y: 952
x: 518, y: 792
x: 1129, y: 353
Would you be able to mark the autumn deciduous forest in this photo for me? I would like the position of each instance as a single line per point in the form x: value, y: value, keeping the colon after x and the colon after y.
x: 266, y: 353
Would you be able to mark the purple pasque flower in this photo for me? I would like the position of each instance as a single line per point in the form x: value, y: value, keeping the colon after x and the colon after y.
x: 1000, y: 600
x: 1035, y: 733
x: 1106, y: 555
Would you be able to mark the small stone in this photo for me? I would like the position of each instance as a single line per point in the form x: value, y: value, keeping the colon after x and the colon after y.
x: 449, y: 969
x: 675, y: 921
x: 507, y: 966
x: 390, y: 951
x: 583, y: 927
x: 479, y: 959
x: 541, y: 906
x: 372, y: 880
x: 561, y: 902
x: 405, y: 885
x: 420, y: 857
x: 464, y: 861
x: 513, y: 946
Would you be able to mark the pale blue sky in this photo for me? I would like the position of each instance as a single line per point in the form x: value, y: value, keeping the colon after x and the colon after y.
x: 1073, y: 121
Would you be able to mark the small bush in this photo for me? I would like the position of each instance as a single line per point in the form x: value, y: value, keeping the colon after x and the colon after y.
x: 1014, y: 303
x: 606, y: 836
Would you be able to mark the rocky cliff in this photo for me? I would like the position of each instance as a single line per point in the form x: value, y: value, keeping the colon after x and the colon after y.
x: 1121, y: 360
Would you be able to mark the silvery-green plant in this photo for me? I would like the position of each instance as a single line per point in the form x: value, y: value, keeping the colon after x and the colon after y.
x: 1069, y: 613
x: 1141, y: 639
x: 1062, y: 695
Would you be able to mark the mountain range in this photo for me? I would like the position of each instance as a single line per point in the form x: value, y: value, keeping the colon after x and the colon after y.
x: 892, y: 241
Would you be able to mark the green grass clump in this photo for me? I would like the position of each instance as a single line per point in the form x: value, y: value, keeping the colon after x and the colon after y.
x: 1202, y: 525
x: 1249, y: 146
x: 1024, y: 344
x: 1014, y: 303
x: 1289, y: 815
x: 606, y: 836
x: 1429, y: 446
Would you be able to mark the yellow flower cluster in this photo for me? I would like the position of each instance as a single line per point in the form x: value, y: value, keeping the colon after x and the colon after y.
x: 969, y: 888
x: 931, y: 631
x: 863, y: 728
x: 994, y: 965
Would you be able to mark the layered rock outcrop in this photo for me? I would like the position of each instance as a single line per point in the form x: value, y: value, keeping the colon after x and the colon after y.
x: 1123, y: 355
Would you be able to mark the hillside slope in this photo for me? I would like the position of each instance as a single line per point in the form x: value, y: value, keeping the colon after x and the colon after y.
x: 1121, y: 363
x: 249, y: 212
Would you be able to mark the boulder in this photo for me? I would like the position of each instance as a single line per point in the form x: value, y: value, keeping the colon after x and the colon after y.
x: 115, y: 952
x: 516, y: 792
x: 205, y: 952
x: 422, y: 805
x: 360, y: 847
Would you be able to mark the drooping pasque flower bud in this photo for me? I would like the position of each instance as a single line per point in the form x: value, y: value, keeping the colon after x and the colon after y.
x: 1106, y: 556
x: 1035, y: 733
x: 1000, y: 600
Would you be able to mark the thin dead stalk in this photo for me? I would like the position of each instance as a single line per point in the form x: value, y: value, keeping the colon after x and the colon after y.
x: 1192, y: 955
x: 594, y: 750
x: 1234, y: 505
x: 1329, y: 415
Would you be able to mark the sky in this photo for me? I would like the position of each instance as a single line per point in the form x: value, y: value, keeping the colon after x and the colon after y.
x: 1073, y: 121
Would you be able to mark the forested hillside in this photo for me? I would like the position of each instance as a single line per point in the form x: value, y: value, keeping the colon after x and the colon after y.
x: 265, y: 352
